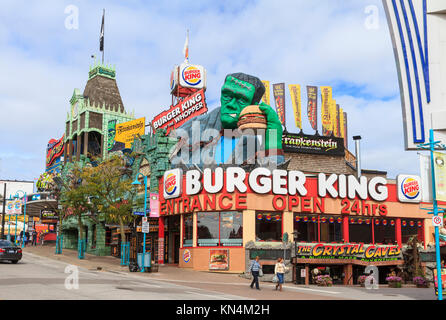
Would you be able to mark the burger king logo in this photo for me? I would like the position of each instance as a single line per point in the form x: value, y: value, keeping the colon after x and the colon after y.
x: 186, y: 255
x: 409, y: 188
x: 191, y: 75
x: 172, y: 183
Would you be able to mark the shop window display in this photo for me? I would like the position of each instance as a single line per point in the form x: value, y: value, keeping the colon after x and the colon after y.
x: 219, y: 228
x: 188, y: 221
x: 268, y: 226
x: 360, y: 230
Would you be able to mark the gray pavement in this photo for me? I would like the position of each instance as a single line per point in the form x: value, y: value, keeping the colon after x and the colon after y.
x: 41, y: 278
x: 41, y: 275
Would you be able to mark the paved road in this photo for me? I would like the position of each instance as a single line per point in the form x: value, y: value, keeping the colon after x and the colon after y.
x: 41, y: 278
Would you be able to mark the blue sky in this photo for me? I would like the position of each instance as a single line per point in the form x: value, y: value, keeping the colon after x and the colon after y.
x: 322, y: 42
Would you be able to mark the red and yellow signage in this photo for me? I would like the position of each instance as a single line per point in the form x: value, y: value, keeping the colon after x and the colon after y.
x: 127, y: 131
x: 297, y: 105
x: 178, y: 114
x: 326, y: 93
x: 266, y: 96
x: 349, y: 252
x: 55, y: 149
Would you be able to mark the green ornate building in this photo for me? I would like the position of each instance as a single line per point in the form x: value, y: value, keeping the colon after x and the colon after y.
x: 93, y: 115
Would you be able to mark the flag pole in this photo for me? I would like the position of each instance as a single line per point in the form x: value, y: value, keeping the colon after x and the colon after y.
x: 101, y: 40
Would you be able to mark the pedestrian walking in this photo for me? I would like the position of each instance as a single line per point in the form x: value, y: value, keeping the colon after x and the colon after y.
x: 26, y: 239
x: 279, y: 271
x: 34, y: 243
x: 255, y: 269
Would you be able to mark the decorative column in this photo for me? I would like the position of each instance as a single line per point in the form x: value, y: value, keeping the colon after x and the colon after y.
x: 345, y: 233
x: 161, y: 241
x: 85, y: 152
x: 78, y: 147
x: 348, y: 272
x: 194, y: 230
x: 307, y: 275
x: 181, y: 230
x: 398, y: 232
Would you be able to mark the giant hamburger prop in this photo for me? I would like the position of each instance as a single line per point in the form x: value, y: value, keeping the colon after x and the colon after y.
x: 252, y: 117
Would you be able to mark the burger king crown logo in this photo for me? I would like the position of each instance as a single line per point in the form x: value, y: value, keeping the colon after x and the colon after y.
x: 171, y: 184
x: 410, y: 188
x: 192, y: 75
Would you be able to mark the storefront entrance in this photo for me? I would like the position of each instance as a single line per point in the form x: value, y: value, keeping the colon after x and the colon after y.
x: 336, y: 272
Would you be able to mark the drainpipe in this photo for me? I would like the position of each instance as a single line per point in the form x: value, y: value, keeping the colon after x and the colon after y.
x: 358, y: 155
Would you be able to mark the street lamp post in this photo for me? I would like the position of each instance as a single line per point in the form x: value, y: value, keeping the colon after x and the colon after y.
x: 136, y: 182
x: 24, y: 215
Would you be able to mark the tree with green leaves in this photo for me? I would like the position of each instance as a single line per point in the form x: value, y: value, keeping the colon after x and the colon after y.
x: 74, y: 195
x: 111, y: 191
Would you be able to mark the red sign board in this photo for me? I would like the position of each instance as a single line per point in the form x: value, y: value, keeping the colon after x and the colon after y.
x: 55, y: 149
x: 178, y: 114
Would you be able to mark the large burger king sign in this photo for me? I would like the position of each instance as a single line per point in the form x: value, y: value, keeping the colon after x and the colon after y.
x: 192, y: 76
x: 409, y: 188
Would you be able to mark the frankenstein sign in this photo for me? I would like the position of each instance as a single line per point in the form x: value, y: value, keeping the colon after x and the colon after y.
x: 347, y: 251
x: 316, y: 144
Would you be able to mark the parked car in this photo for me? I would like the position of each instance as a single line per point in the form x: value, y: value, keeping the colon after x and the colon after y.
x: 9, y: 251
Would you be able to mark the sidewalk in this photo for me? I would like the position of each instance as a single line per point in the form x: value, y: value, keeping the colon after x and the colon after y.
x: 217, y: 282
x: 112, y: 264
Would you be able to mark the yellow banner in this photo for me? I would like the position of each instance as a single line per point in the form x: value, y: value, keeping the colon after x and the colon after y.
x: 327, y: 127
x: 341, y: 123
x: 127, y: 131
x: 333, y: 116
x: 440, y: 175
x: 266, y: 96
x: 297, y: 104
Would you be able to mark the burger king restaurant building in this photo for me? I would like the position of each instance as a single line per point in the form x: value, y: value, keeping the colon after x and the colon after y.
x: 333, y: 222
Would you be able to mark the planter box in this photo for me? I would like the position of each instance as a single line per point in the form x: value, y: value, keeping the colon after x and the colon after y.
x: 394, y: 284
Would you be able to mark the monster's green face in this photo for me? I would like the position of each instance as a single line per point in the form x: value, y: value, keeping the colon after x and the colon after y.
x: 235, y: 96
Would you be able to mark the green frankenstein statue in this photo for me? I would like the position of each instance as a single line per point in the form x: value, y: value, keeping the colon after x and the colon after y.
x: 210, y: 144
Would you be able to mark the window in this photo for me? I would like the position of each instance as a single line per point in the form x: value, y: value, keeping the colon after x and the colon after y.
x: 308, y: 229
x: 207, y: 228
x: 188, y: 221
x: 268, y: 226
x: 306, y: 226
x: 331, y: 229
x: 360, y: 230
x: 385, y: 231
x: 231, y: 228
x: 220, y: 228
x: 410, y: 228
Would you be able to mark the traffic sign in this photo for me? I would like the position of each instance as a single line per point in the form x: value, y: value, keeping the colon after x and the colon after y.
x: 145, y: 227
x: 437, y: 221
x: 138, y: 213
x: 144, y: 219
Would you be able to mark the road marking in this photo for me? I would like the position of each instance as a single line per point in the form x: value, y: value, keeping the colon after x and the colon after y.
x: 207, y: 295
